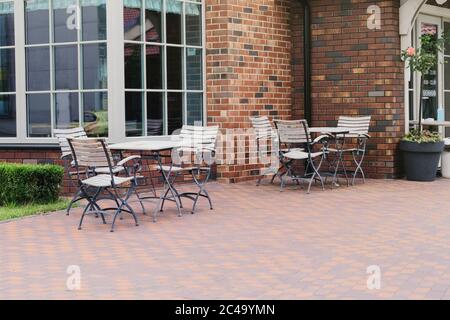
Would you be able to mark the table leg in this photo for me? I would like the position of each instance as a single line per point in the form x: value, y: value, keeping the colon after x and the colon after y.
x: 168, y: 188
x: 340, y: 142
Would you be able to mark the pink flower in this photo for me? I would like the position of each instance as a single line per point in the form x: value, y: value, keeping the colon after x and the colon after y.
x: 410, y: 51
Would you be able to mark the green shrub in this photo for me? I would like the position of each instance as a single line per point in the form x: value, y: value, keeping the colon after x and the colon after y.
x: 25, y: 183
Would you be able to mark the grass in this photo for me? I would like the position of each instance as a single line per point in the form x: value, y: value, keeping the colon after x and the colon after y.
x: 14, y: 211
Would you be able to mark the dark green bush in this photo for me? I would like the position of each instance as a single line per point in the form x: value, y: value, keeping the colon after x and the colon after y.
x: 26, y: 183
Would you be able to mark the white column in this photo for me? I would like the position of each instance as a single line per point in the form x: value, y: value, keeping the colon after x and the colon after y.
x: 409, y: 10
x: 21, y: 103
x: 116, y: 72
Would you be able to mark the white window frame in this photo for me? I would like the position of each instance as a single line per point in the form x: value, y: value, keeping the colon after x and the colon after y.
x: 52, y: 45
x: 15, y: 93
x: 116, y: 75
x: 164, y: 44
x: 436, y: 15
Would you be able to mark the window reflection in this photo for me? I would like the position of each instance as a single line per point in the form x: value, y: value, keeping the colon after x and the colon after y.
x: 66, y: 110
x: 133, y: 114
x: 194, y: 69
x: 7, y: 70
x: 174, y: 111
x: 93, y: 19
x: 39, y: 115
x: 7, y: 116
x: 66, y: 68
x: 132, y: 19
x: 95, y: 74
x: 174, y: 68
x: 38, y: 68
x: 194, y: 108
x: 37, y: 21
x: 193, y: 24
x: 95, y: 111
x: 173, y: 21
x: 153, y: 30
x: 6, y: 24
x: 154, y: 67
x: 133, y: 66
x: 155, y: 113
x: 65, y: 20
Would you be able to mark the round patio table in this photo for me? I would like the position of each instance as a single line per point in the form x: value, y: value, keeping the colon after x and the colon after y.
x: 339, y: 135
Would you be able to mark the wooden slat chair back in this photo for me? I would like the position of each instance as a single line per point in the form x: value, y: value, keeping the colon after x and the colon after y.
x: 293, y: 132
x: 358, y: 125
x: 198, y: 139
x: 263, y: 127
x: 91, y: 153
x: 63, y: 134
x: 154, y: 127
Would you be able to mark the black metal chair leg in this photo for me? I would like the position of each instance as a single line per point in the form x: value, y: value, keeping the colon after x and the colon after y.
x: 209, y: 199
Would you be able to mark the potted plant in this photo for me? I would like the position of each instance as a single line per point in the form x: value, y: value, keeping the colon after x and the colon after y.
x: 422, y: 149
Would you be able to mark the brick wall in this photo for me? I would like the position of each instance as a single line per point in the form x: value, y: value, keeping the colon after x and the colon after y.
x: 297, y: 60
x: 248, y: 66
x: 356, y: 71
x: 53, y: 157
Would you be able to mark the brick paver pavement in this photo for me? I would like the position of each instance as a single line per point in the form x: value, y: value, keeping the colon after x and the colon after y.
x: 258, y: 243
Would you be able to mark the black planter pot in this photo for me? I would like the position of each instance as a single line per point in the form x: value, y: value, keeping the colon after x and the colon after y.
x: 421, y: 160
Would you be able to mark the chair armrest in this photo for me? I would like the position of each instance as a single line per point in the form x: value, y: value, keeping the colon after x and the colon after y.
x: 364, y: 136
x: 131, y: 158
x: 322, y: 138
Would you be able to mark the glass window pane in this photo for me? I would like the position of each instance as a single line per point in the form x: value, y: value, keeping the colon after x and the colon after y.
x: 153, y: 29
x: 93, y: 13
x: 133, y: 114
x: 447, y: 44
x: 39, y: 115
x: 447, y: 73
x: 173, y: 21
x: 194, y: 69
x: 194, y: 108
x: 154, y: 67
x: 132, y: 19
x: 65, y: 20
x: 411, y: 104
x: 174, y: 68
x: 38, y: 68
x: 6, y: 24
x: 37, y: 21
x: 95, y: 109
x: 7, y: 70
x: 193, y: 24
x: 95, y: 74
x: 174, y: 111
x: 447, y: 111
x: 66, y: 68
x: 7, y: 116
x: 133, y: 66
x: 155, y: 113
x: 66, y: 110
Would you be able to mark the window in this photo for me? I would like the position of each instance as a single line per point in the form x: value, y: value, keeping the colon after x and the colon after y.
x: 163, y: 65
x: 8, y: 124
x: 66, y: 66
x: 446, y: 84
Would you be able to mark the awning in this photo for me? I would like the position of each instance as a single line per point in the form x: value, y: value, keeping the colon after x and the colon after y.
x: 6, y: 7
x: 34, y: 5
x: 172, y: 6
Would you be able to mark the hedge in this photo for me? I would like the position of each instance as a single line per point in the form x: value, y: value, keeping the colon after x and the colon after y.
x: 26, y: 183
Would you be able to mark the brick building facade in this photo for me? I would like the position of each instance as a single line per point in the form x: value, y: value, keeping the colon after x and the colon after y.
x: 255, y: 65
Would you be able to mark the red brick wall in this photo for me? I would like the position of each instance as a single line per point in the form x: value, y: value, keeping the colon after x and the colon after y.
x: 53, y: 157
x: 297, y: 60
x: 357, y: 71
x: 248, y: 66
